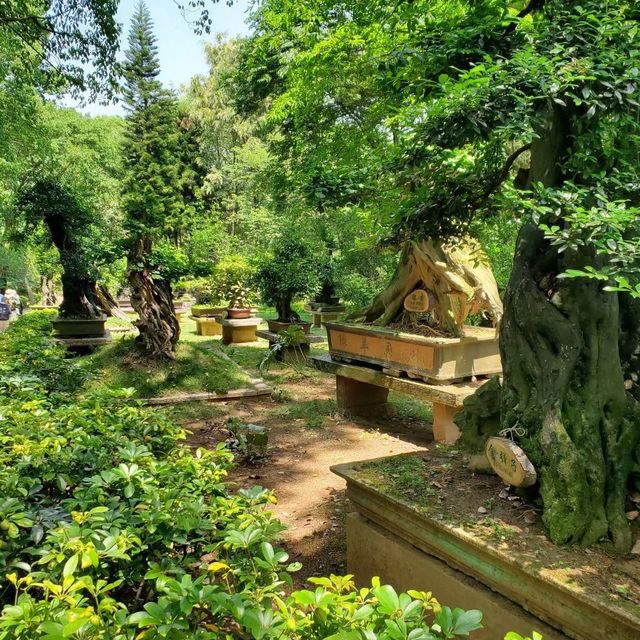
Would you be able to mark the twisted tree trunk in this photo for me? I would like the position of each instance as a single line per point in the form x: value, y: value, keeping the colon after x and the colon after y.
x: 569, y: 354
x: 456, y: 274
x: 47, y: 291
x: 151, y: 298
x: 564, y: 386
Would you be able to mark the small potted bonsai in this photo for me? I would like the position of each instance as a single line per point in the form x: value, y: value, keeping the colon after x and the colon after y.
x: 240, y: 297
x: 288, y: 273
x: 68, y: 223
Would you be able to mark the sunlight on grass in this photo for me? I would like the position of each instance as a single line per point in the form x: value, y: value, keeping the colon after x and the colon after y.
x: 198, y: 367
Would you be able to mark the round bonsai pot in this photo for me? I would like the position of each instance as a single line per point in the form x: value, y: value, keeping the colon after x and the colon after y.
x: 276, y: 326
x: 238, y: 314
x: 79, y: 327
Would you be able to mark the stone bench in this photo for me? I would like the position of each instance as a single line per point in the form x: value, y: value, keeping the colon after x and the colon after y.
x: 363, y: 391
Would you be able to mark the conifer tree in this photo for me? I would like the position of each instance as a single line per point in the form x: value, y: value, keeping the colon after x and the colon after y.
x: 152, y: 193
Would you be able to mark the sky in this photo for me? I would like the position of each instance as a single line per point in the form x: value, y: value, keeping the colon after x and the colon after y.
x: 180, y: 50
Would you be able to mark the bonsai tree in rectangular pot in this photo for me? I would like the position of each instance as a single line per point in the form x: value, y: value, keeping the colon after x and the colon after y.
x: 68, y: 222
x: 288, y: 272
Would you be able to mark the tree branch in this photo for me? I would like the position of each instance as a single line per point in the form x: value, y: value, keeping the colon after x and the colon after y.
x: 503, y: 174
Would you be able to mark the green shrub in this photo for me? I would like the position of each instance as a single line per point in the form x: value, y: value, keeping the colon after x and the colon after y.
x: 29, y: 355
x: 111, y: 529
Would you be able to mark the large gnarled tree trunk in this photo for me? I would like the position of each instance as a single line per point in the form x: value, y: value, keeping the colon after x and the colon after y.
x: 567, y: 350
x: 79, y: 298
x: 151, y: 298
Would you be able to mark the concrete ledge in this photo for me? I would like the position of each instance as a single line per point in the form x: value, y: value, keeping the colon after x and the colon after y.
x: 372, y: 551
x: 241, y: 322
x: 94, y: 341
x: 567, y: 605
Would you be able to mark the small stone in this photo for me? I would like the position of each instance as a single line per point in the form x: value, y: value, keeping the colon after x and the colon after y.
x: 628, y: 384
x: 503, y: 494
x: 632, y: 515
x: 482, y: 510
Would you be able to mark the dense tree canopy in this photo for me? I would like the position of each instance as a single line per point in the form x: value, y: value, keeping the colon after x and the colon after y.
x: 434, y: 116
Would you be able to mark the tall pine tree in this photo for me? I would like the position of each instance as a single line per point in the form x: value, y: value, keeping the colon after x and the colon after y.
x: 152, y: 187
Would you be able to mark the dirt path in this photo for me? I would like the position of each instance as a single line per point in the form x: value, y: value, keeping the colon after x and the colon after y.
x: 306, y: 437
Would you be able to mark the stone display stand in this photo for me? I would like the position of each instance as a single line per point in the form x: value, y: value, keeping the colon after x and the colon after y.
x: 93, y: 341
x: 362, y: 391
x: 239, y: 331
x: 325, y: 313
x: 293, y: 354
x: 208, y: 325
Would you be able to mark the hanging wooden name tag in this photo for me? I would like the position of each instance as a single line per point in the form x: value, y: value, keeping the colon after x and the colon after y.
x: 417, y: 301
x: 510, y: 462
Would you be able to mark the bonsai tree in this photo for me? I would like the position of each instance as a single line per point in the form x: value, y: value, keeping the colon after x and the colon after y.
x: 528, y: 108
x: 290, y: 271
x: 68, y: 224
x: 151, y: 187
x: 240, y: 296
x: 327, y: 292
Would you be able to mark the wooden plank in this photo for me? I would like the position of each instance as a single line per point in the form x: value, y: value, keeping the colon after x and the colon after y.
x: 452, y: 395
x: 258, y: 390
x: 273, y: 337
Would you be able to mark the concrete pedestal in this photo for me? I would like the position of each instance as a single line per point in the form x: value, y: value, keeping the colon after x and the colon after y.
x: 207, y: 326
x: 239, y: 331
x: 325, y: 313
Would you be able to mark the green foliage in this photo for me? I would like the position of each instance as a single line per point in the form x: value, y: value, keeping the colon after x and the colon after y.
x: 609, y: 229
x: 66, y: 44
x: 291, y: 337
x: 423, y: 127
x: 231, y: 279
x: 31, y: 359
x: 233, y: 154
x: 290, y: 271
x: 111, y: 528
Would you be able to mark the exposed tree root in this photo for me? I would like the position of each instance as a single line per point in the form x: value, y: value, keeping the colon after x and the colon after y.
x: 456, y: 275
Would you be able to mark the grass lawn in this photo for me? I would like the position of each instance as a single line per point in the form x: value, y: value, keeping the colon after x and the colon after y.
x: 200, y: 363
x: 199, y: 366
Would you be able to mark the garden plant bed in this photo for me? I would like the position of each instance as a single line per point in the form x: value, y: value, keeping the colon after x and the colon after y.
x: 432, y: 359
x: 433, y: 502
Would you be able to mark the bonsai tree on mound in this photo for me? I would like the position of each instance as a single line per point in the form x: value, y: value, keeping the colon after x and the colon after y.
x: 68, y: 222
x: 290, y: 271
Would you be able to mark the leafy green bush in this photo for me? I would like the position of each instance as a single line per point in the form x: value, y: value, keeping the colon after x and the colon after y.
x: 112, y: 529
x: 29, y: 356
